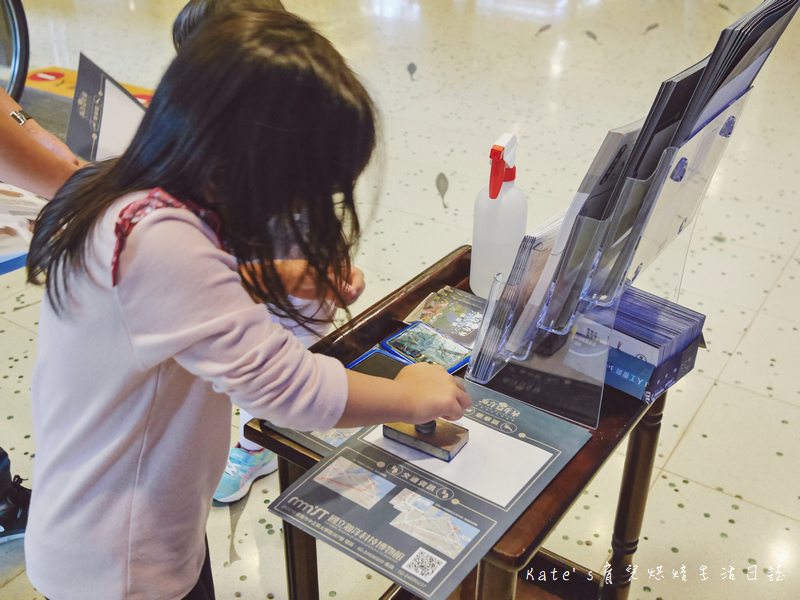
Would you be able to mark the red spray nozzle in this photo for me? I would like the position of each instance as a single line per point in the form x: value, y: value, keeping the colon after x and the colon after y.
x: 501, y: 172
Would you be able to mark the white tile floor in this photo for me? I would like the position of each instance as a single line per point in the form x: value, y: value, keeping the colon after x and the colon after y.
x: 559, y: 73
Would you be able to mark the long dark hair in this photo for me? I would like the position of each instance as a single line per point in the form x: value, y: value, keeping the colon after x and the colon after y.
x: 259, y: 119
x: 197, y: 12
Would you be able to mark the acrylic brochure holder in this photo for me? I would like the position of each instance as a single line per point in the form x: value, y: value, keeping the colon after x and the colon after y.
x: 548, y: 347
x: 662, y: 251
x: 544, y: 336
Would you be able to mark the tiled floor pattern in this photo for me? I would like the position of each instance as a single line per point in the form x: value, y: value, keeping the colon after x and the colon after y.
x: 723, y: 517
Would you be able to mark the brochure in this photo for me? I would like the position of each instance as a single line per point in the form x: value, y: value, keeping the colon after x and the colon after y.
x: 104, y: 115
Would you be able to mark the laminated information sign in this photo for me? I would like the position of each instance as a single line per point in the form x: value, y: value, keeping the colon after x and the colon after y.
x: 423, y: 522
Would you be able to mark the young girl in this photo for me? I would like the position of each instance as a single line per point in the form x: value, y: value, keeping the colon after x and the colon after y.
x: 247, y: 461
x: 253, y: 142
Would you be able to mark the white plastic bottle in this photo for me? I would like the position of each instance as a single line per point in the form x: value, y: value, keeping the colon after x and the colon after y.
x: 499, y: 219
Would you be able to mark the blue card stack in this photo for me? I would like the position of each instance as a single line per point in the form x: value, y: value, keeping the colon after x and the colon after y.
x: 420, y: 342
x: 653, y: 329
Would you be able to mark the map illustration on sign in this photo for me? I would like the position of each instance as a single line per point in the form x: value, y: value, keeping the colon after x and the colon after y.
x: 335, y: 437
x: 423, y: 521
x: 354, y: 482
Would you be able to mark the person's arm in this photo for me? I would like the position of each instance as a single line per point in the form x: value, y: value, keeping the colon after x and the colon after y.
x: 30, y: 157
x: 182, y: 299
x: 419, y: 393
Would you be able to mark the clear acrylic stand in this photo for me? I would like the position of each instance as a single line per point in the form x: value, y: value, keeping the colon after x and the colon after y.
x: 658, y: 263
x: 544, y: 336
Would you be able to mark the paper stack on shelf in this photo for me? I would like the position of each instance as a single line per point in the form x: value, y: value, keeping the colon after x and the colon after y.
x: 653, y: 345
x: 685, y: 104
x: 18, y: 210
x: 741, y: 51
x: 653, y: 329
x: 579, y: 236
x: 454, y: 312
x: 503, y: 302
x: 690, y: 99
x: 662, y: 121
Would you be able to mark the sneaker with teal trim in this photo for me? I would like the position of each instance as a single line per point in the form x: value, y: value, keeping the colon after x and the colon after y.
x: 243, y: 468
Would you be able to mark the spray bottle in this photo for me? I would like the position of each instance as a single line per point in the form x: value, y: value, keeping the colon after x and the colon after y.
x: 499, y: 220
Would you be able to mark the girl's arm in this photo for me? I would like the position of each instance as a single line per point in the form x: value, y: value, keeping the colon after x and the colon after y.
x: 182, y: 299
x: 418, y: 394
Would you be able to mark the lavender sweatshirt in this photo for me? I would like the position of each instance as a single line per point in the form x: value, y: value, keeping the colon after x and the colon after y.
x: 131, y: 396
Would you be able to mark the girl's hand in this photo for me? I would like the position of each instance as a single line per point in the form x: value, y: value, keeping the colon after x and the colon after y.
x: 420, y: 393
x: 431, y: 392
x: 353, y: 288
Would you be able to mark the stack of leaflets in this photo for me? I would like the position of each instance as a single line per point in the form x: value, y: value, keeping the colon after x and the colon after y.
x: 653, y: 329
x: 514, y: 309
x: 18, y: 211
x: 741, y: 51
x: 422, y: 343
x: 454, y: 312
x: 689, y: 100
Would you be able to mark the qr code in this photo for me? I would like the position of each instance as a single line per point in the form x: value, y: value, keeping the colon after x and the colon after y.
x: 424, y: 565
